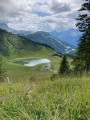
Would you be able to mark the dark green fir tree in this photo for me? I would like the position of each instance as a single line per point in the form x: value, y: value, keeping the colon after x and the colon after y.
x: 82, y: 56
x: 64, y: 66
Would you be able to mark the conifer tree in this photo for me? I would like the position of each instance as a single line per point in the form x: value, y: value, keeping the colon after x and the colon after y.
x: 64, y: 66
x: 82, y: 56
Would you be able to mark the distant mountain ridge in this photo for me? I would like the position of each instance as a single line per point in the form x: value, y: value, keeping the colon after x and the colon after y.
x: 46, y: 38
x: 5, y: 27
x: 70, y: 36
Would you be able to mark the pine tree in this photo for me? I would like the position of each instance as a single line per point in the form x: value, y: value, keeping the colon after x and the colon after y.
x: 64, y: 66
x: 82, y: 56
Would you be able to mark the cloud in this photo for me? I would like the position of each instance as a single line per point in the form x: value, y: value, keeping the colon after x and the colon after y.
x: 58, y: 6
x: 12, y: 10
x: 36, y: 15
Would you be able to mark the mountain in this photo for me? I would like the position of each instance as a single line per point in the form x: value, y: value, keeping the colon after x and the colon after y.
x: 21, y: 32
x: 70, y: 36
x: 12, y: 46
x: 5, y: 27
x: 46, y: 38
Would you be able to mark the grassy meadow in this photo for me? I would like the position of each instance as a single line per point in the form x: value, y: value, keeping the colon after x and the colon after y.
x: 64, y: 98
x: 33, y: 95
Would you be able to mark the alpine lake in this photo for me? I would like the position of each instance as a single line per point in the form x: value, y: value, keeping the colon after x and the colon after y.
x: 31, y: 62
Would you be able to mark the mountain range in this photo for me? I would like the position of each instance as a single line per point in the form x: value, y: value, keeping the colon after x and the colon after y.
x: 5, y: 27
x: 12, y: 46
x: 45, y: 38
x: 70, y: 36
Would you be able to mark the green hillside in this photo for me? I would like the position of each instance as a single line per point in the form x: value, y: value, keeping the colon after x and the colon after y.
x: 46, y: 38
x: 13, y: 46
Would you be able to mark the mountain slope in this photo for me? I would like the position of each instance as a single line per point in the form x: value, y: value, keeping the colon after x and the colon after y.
x: 70, y: 36
x: 13, y: 46
x: 46, y: 38
x: 43, y: 37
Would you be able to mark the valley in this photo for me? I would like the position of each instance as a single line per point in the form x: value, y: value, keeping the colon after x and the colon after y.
x: 46, y: 38
x: 52, y: 39
x: 14, y: 48
x: 32, y: 87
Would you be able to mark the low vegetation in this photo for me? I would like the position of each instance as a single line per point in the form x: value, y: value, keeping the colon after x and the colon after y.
x: 2, y: 71
x: 64, y: 98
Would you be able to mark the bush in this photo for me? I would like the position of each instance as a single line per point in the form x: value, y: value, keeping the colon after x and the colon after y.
x: 2, y: 71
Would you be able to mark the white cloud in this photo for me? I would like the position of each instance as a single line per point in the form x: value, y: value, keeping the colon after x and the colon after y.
x: 45, y: 15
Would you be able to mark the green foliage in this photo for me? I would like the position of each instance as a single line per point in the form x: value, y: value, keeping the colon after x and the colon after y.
x: 64, y: 66
x: 82, y: 56
x: 55, y: 76
x: 65, y: 98
x: 2, y: 71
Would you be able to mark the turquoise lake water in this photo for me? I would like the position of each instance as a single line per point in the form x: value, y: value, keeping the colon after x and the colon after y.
x: 32, y: 62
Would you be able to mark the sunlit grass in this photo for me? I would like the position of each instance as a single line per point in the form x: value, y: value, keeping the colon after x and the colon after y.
x: 63, y: 98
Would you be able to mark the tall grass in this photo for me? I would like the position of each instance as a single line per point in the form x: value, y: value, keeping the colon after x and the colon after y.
x: 64, y: 98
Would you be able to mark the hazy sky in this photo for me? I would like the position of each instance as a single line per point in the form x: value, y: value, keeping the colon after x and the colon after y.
x: 39, y: 15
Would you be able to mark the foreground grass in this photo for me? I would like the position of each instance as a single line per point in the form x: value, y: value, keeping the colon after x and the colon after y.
x: 64, y: 98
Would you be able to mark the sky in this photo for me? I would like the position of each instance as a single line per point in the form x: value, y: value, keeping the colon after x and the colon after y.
x: 40, y: 15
